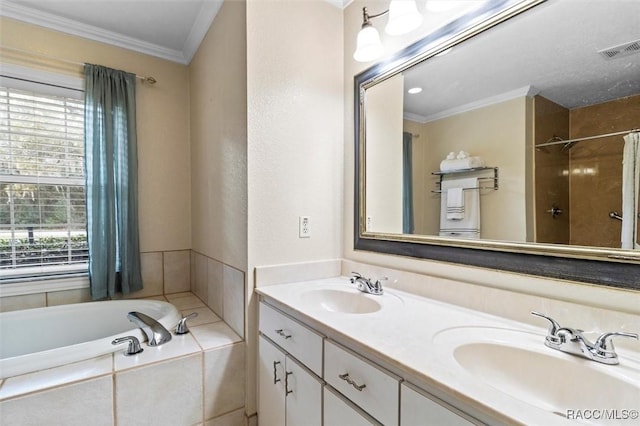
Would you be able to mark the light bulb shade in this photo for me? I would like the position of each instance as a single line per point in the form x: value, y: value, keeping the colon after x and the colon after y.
x: 368, y: 45
x: 403, y: 17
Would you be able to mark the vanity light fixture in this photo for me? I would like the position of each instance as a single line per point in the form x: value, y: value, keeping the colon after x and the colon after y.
x: 414, y: 90
x: 403, y: 18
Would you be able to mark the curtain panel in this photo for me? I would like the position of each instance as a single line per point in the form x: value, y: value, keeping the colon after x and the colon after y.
x: 111, y: 163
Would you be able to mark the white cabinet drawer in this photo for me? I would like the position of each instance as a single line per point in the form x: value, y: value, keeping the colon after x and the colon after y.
x: 340, y: 412
x: 372, y: 389
x: 419, y: 408
x: 301, y: 342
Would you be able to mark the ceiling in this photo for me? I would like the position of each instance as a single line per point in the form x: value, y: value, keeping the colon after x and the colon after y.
x: 551, y: 50
x: 169, y: 29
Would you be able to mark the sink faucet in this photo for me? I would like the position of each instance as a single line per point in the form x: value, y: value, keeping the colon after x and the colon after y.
x: 572, y: 341
x: 156, y: 333
x: 366, y: 285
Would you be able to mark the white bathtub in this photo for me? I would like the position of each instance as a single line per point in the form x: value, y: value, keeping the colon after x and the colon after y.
x: 36, y: 339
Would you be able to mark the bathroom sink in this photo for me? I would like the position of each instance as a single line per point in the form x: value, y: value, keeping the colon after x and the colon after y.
x: 516, y: 363
x: 343, y: 301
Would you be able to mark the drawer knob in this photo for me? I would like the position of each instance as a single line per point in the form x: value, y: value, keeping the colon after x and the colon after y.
x: 281, y: 332
x: 347, y: 379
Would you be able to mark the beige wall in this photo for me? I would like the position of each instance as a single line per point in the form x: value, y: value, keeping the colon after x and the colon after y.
x: 163, y: 123
x: 218, y: 105
x: 295, y: 139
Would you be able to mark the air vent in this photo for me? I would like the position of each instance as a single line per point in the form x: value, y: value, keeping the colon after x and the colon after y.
x: 621, y: 50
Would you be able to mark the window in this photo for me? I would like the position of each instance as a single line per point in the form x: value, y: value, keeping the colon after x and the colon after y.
x: 42, y: 186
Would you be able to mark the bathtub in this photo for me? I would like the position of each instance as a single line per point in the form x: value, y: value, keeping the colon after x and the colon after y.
x: 37, y: 339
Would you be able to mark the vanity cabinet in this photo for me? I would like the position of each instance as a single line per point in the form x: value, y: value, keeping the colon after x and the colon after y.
x: 289, y: 395
x: 419, y: 408
x: 307, y: 379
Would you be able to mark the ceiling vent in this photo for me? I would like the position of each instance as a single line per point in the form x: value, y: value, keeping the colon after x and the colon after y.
x: 621, y: 50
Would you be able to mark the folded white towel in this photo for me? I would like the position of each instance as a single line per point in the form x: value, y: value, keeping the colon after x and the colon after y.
x: 469, y: 225
x: 455, y: 203
x: 460, y: 164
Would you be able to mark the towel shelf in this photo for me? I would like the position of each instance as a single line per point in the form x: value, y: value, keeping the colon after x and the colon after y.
x: 493, y: 179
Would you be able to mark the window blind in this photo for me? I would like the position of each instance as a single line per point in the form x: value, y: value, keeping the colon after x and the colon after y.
x: 42, y: 194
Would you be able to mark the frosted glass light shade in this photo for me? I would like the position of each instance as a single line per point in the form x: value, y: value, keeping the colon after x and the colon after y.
x: 403, y: 17
x: 368, y: 44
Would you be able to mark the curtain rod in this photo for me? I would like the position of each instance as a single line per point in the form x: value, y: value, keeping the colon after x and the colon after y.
x: 149, y: 79
x: 586, y: 138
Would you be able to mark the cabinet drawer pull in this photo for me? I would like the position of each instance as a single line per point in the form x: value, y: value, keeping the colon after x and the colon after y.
x: 275, y: 372
x: 286, y: 383
x: 281, y: 332
x: 347, y: 379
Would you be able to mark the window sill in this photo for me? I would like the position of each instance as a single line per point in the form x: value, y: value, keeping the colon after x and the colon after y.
x: 44, y: 286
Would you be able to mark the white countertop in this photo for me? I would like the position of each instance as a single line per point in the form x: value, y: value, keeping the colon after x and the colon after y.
x: 411, y: 336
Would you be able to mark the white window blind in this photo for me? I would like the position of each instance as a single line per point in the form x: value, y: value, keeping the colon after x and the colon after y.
x: 42, y: 187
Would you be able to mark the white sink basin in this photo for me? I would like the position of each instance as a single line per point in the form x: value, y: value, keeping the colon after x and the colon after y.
x: 343, y: 301
x: 516, y: 363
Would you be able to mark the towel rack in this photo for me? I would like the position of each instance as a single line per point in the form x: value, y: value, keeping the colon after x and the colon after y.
x: 493, y: 179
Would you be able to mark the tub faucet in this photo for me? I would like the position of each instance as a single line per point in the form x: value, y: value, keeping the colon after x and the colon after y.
x: 572, y: 341
x: 366, y: 285
x: 156, y: 333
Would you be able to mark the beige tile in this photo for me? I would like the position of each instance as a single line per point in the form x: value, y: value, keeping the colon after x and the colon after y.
x: 211, y: 336
x: 173, y: 296
x: 168, y: 393
x: 205, y: 316
x: 152, y: 277
x: 192, y: 276
x: 27, y: 301
x: 224, y: 374
x: 186, y: 302
x: 233, y: 303
x: 67, y: 405
x: 253, y: 420
x: 67, y: 297
x: 177, y: 271
x: 200, y: 287
x: 177, y: 347
x: 234, y: 418
x: 215, y: 286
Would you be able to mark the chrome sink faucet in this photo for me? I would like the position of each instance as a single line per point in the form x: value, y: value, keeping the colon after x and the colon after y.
x: 156, y: 333
x: 572, y: 341
x: 366, y: 285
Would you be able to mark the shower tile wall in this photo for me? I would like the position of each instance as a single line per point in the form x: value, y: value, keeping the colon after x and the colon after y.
x: 551, y: 173
x: 596, y: 170
x: 585, y: 181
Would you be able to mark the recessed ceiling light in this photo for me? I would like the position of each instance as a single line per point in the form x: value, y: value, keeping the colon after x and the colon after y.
x: 414, y: 90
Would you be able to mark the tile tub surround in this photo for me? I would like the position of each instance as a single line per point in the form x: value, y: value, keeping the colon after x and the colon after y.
x: 163, y: 272
x: 221, y: 287
x: 391, y: 338
x: 191, y: 380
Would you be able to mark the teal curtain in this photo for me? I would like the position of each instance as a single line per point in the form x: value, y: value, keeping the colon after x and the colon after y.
x: 111, y: 163
x: 407, y: 183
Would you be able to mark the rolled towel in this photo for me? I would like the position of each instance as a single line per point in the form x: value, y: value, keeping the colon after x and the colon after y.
x: 460, y: 164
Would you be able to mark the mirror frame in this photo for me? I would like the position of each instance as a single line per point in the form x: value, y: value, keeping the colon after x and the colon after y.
x: 576, y: 263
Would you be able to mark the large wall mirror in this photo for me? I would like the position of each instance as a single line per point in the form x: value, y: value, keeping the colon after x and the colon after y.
x: 509, y: 138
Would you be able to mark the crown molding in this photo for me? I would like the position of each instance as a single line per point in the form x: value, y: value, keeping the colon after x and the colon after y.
x: 526, y: 91
x: 207, y: 13
x: 70, y: 26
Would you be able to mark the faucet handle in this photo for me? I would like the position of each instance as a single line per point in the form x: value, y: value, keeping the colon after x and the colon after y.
x: 134, y: 345
x: 604, y: 345
x: 182, y: 328
x: 553, y: 326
